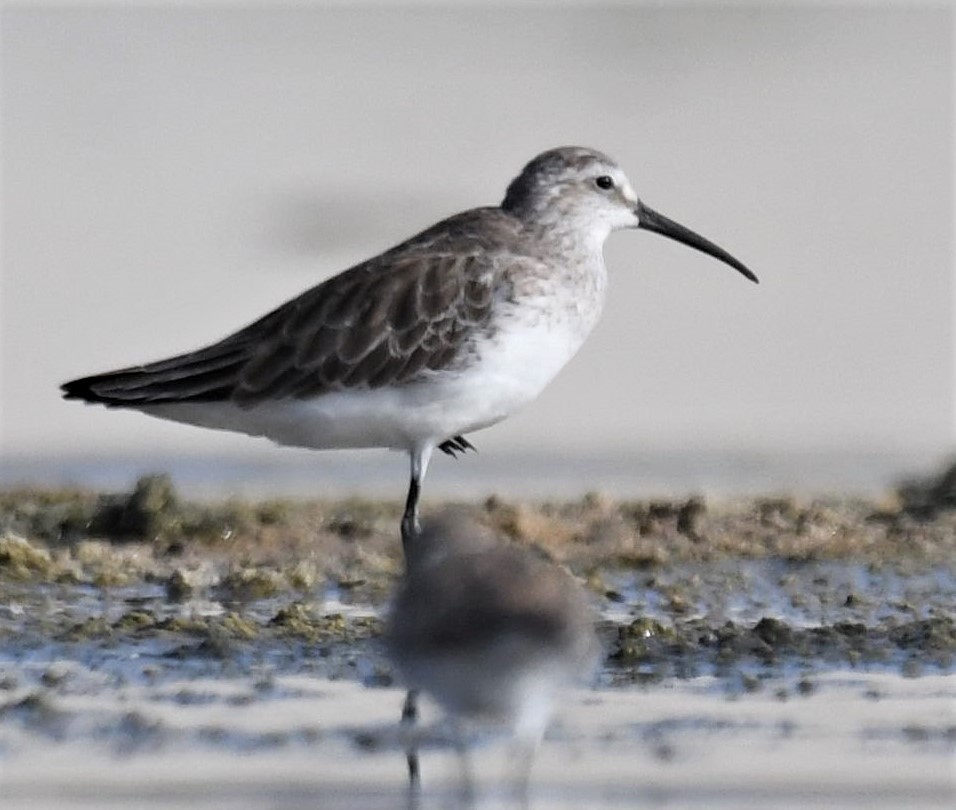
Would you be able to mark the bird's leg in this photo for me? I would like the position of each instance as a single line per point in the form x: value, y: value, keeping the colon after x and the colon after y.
x: 410, y: 525
x: 410, y: 529
x: 419, y: 457
x: 522, y: 760
x: 409, y: 718
x: 528, y: 732
x: 467, y: 784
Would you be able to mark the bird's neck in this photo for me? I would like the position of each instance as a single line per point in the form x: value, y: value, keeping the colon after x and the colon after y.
x: 583, y: 239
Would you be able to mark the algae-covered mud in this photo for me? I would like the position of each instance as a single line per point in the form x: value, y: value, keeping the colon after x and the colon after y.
x: 158, y: 651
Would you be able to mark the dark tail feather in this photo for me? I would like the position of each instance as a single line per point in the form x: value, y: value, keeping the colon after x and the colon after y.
x: 204, y: 376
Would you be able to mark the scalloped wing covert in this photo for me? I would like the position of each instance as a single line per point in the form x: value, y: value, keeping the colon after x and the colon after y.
x: 369, y: 328
x: 380, y: 323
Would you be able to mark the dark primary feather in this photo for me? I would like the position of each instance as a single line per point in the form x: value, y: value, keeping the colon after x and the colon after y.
x: 380, y: 323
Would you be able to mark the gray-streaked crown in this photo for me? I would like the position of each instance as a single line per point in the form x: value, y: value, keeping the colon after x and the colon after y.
x: 414, y: 309
x: 543, y: 177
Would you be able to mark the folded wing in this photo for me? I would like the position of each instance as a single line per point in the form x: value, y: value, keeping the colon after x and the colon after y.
x: 381, y: 323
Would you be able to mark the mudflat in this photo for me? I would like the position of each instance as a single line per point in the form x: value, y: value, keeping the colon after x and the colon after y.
x: 769, y: 652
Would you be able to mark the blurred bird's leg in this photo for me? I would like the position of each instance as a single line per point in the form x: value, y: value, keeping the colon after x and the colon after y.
x: 528, y: 734
x: 466, y: 793
x: 521, y: 762
x: 409, y: 718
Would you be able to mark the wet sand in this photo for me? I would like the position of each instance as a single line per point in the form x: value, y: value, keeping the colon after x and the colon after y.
x: 857, y: 741
x: 764, y: 652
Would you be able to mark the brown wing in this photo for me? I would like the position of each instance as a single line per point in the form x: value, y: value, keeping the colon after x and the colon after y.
x: 378, y: 324
x: 370, y: 327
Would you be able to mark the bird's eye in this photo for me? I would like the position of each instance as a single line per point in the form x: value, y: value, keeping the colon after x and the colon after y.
x: 604, y: 182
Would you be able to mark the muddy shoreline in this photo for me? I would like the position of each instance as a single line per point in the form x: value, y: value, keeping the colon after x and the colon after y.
x: 684, y: 587
x: 145, y: 629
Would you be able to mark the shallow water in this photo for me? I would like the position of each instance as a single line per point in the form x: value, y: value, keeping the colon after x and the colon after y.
x: 800, y: 593
x: 857, y: 741
x: 126, y: 635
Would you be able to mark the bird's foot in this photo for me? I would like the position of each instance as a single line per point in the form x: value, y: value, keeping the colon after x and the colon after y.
x: 455, y: 445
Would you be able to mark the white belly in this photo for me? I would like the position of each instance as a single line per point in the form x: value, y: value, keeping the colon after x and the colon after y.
x: 510, y: 370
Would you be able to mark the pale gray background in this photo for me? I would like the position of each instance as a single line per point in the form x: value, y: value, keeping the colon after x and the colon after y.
x: 169, y: 174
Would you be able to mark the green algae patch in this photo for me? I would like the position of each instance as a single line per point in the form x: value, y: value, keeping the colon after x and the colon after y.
x: 366, y: 627
x: 53, y: 516
x: 927, y: 641
x: 303, y: 575
x: 89, y: 629
x: 640, y: 641
x: 357, y: 540
x: 300, y: 621
x: 232, y: 625
x: 250, y: 583
x: 221, y: 638
x: 135, y: 621
x: 186, y: 625
x: 647, y: 649
x: 238, y: 626
x: 360, y: 518
x: 22, y: 561
x: 150, y: 511
x: 180, y: 586
x: 696, y: 585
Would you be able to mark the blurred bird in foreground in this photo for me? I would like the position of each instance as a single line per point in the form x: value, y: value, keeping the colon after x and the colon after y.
x: 490, y: 631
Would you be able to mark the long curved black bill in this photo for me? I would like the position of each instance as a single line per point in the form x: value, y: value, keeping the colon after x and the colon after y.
x: 650, y: 220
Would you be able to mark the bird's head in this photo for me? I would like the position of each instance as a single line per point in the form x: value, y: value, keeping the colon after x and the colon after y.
x: 584, y: 191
